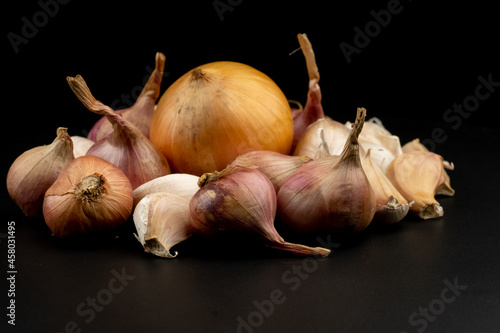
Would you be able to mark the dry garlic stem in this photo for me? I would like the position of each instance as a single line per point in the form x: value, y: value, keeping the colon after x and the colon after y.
x: 313, y: 110
x: 385, y: 145
x: 419, y: 176
x: 161, y: 220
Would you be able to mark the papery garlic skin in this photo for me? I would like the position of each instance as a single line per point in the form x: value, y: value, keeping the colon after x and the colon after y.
x: 161, y: 221
x: 90, y: 195
x: 326, y: 135
x: 181, y: 184
x: 330, y: 194
x: 385, y: 146
x: 414, y: 145
x: 445, y: 188
x: 81, y: 145
x: 392, y: 206
x: 419, y: 176
x: 34, y: 171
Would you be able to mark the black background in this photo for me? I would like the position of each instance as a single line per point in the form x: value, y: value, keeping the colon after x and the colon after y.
x: 427, y: 58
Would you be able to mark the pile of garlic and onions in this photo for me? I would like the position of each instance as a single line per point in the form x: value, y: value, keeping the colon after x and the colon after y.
x: 223, y: 155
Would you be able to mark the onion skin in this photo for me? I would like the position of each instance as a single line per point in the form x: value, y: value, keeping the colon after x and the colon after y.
x: 68, y: 212
x: 218, y: 111
x: 126, y: 147
x: 138, y: 158
x: 35, y: 170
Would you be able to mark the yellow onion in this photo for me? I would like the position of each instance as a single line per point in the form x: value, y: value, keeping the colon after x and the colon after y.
x: 218, y: 111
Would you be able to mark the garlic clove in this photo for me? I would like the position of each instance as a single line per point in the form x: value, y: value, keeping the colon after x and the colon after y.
x: 392, y: 211
x: 445, y: 188
x: 392, y: 207
x: 81, y: 145
x: 418, y: 176
x: 34, y: 171
x: 181, y: 184
x: 161, y: 221
x: 325, y: 136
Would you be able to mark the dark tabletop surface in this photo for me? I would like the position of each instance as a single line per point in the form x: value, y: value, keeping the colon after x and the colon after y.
x: 438, y: 275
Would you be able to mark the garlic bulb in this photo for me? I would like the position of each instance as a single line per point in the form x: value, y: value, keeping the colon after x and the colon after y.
x: 141, y: 113
x: 324, y: 135
x: 313, y: 110
x: 161, y: 220
x: 35, y: 170
x: 180, y: 184
x: 240, y: 201
x: 81, y: 145
x: 392, y: 207
x: 277, y: 167
x: 90, y: 195
x: 126, y: 147
x: 329, y: 194
x: 419, y: 176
